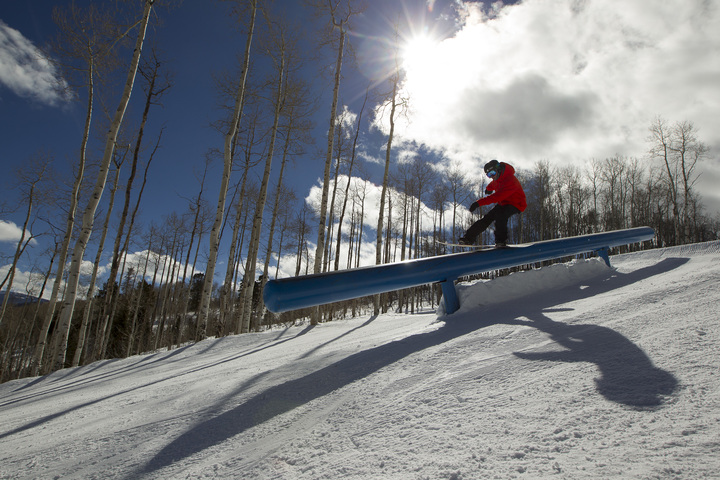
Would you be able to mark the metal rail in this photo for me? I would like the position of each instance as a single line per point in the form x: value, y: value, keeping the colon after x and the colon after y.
x: 293, y: 293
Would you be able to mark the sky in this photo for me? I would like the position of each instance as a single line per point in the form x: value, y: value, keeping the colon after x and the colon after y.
x: 563, y: 81
x: 569, y: 371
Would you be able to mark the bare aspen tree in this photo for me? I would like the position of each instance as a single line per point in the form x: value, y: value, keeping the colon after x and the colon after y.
x: 282, y: 47
x: 688, y: 151
x: 394, y: 102
x: 361, y: 192
x: 105, y: 327
x: 438, y: 200
x: 540, y: 193
x: 195, y: 209
x: 30, y: 181
x: 276, y: 207
x: 86, y: 38
x: 593, y: 177
x: 295, y: 128
x: 161, y: 259
x: 175, y: 227
x: 227, y: 292
x: 459, y: 190
x: 278, y: 192
x: 154, y: 234
x: 351, y: 233
x: 340, y: 148
x: 635, y: 177
x: 25, y: 361
x: 135, y: 309
x: 301, y: 228
x: 60, y: 344
x: 403, y: 182
x: 661, y: 147
x: 289, y: 197
x: 245, y: 211
x: 178, y: 290
x: 156, y: 87
x: 225, y: 181
x: 98, y: 256
x: 339, y: 19
x: 424, y: 175
x: 613, y: 174
x: 390, y: 228
x: 571, y: 200
x: 349, y: 181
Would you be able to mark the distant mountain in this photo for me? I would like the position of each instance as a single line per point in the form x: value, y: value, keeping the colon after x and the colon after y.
x: 19, y: 299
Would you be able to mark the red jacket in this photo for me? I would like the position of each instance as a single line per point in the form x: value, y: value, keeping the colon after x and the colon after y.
x: 507, y: 190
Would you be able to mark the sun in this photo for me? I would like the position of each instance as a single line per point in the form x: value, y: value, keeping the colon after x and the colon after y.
x: 418, y: 50
x: 426, y: 67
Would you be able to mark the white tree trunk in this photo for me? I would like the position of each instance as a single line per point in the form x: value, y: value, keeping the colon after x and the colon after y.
x: 254, y: 245
x: 220, y: 212
x: 60, y: 345
x: 276, y: 207
x: 381, y: 209
x: 347, y: 187
x: 88, y: 305
x: 328, y: 158
x: 70, y: 224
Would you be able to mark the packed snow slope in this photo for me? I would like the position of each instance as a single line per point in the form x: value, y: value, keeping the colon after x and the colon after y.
x: 570, y: 371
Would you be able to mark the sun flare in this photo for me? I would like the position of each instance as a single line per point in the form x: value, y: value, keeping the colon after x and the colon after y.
x: 426, y: 70
x: 418, y: 50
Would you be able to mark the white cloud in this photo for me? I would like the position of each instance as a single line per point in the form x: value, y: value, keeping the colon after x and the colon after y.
x: 564, y: 80
x: 25, y: 70
x: 161, y: 263
x: 29, y: 283
x: 9, y: 232
x: 370, y: 193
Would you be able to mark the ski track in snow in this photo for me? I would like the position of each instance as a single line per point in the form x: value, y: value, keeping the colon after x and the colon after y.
x: 568, y: 371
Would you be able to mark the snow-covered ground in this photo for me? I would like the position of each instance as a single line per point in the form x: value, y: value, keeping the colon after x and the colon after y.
x: 570, y: 371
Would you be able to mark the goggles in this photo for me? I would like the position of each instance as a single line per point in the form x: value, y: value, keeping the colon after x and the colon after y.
x: 491, y: 173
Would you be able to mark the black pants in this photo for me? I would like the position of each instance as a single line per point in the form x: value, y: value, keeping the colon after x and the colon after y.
x: 500, y: 214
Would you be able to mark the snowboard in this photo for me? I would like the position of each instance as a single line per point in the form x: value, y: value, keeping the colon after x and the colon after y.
x: 476, y: 247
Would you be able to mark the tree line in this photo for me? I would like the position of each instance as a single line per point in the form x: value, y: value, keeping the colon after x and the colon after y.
x: 160, y: 289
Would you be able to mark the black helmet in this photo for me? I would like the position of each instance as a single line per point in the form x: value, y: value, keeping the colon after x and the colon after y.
x: 492, y: 166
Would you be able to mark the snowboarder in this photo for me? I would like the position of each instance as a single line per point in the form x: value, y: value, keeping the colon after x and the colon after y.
x: 504, y: 190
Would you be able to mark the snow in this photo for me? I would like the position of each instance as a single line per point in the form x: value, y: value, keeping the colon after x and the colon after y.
x: 569, y: 371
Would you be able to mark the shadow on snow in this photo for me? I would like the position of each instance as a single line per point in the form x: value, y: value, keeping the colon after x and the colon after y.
x: 628, y: 376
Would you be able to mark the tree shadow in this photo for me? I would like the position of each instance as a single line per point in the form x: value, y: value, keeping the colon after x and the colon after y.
x: 322, y: 345
x: 78, y: 376
x: 621, y: 362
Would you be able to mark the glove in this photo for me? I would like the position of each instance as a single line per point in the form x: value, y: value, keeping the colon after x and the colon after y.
x: 474, y: 206
x: 488, y: 191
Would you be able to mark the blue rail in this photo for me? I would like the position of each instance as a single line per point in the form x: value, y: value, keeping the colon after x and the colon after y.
x: 311, y: 290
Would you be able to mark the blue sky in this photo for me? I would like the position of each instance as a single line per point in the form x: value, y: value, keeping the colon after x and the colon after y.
x: 199, y: 40
x: 557, y: 80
